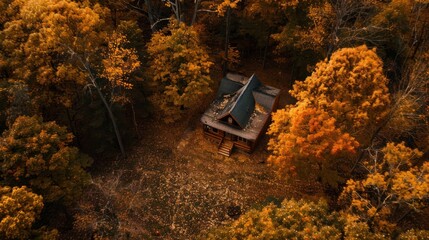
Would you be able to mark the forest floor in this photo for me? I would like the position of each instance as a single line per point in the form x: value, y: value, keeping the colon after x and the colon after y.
x: 174, y: 184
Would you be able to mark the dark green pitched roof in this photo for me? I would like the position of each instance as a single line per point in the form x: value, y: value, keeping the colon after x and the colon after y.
x: 228, y: 86
x: 242, y: 104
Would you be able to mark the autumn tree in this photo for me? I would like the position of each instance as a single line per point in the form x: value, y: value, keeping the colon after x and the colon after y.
x: 351, y: 87
x: 292, y: 220
x: 301, y: 219
x: 38, y: 155
x: 37, y: 39
x: 118, y: 64
x: 414, y: 234
x: 260, y: 19
x: 19, y: 102
x: 180, y: 68
x: 19, y: 209
x: 338, y: 107
x: 409, y: 103
x: 394, y: 182
x: 324, y: 26
x: 303, y: 137
x: 62, y: 45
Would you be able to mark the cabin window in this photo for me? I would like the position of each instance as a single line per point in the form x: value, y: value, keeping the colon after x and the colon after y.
x: 230, y: 120
x: 242, y: 139
x: 214, y: 130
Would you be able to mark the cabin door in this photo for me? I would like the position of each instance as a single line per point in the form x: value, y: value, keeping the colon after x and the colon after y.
x: 230, y: 136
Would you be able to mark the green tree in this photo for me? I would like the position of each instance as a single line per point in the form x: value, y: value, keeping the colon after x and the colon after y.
x: 180, y: 68
x: 19, y: 209
x: 38, y: 155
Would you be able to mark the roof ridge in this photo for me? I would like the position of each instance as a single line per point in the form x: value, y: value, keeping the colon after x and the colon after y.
x: 244, y: 88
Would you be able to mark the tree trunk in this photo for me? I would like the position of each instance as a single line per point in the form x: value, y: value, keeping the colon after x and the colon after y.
x: 135, y: 121
x: 225, y: 63
x: 94, y: 84
x: 194, y: 17
x: 149, y: 13
x: 112, y: 118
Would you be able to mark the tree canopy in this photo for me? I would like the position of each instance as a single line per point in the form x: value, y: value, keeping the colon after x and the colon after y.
x: 19, y: 209
x: 180, y: 68
x: 292, y: 220
x: 38, y: 155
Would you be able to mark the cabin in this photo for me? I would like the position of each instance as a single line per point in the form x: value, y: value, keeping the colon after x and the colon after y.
x: 240, y: 113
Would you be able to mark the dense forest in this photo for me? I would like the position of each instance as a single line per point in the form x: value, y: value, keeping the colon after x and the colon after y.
x: 99, y: 119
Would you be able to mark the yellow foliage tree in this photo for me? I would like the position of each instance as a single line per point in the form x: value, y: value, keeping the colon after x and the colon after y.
x: 19, y: 209
x: 324, y: 26
x: 38, y: 39
x: 119, y: 63
x: 37, y: 154
x: 292, y: 220
x: 180, y: 68
x: 393, y: 182
x: 56, y: 47
x: 351, y: 87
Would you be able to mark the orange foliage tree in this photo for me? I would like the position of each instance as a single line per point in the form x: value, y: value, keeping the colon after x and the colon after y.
x: 351, y: 87
x: 339, y: 106
x: 325, y: 26
x: 304, y: 135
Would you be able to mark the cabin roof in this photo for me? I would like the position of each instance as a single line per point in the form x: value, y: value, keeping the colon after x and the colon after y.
x: 241, y: 105
x: 246, y: 100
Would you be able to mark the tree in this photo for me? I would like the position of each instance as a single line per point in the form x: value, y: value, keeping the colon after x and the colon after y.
x: 38, y: 38
x: 119, y: 63
x: 305, y: 136
x: 292, y: 220
x: 351, y: 87
x: 180, y: 68
x: 57, y: 49
x: 355, y: 229
x: 343, y: 102
x: 414, y: 234
x: 38, y: 154
x: 409, y: 104
x: 325, y: 26
x: 19, y: 102
x: 19, y: 209
x: 394, y: 182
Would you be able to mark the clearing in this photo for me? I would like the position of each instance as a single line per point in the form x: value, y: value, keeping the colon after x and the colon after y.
x: 174, y: 184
